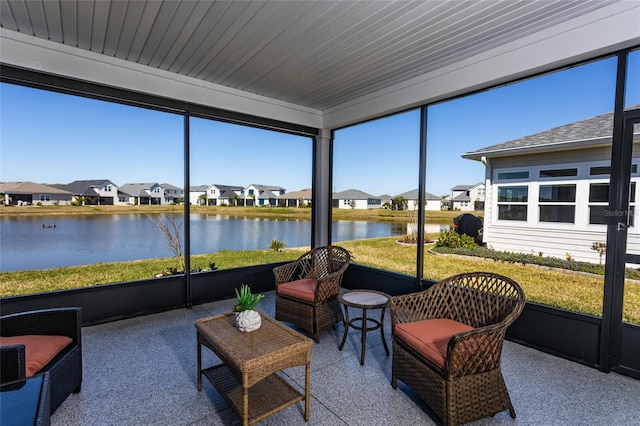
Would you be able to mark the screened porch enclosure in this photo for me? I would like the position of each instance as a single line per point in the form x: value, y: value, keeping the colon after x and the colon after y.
x: 313, y: 70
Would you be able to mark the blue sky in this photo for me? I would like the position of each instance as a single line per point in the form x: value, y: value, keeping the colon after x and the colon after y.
x: 53, y: 138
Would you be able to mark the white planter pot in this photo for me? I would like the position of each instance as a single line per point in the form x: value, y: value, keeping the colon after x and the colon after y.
x: 248, y: 321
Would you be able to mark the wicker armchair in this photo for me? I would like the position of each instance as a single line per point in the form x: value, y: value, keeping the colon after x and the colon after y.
x: 65, y: 369
x: 306, y: 289
x: 447, y: 344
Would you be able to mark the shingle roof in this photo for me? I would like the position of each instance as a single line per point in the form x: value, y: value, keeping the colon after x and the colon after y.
x: 29, y: 188
x: 462, y: 197
x: 86, y: 187
x: 227, y: 191
x: 138, y: 189
x: 413, y: 195
x: 303, y: 193
x: 590, y: 132
x: 352, y: 194
x: 169, y: 186
x: 462, y: 187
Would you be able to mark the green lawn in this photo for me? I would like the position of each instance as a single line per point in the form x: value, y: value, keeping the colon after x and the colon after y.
x: 563, y: 289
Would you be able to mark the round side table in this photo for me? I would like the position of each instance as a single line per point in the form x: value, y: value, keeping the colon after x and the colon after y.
x: 364, y: 299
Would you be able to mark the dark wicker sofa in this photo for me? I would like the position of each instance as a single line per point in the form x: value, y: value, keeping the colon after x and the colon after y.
x: 65, y: 369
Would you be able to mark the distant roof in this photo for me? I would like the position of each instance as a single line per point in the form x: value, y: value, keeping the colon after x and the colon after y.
x: 30, y: 188
x: 352, y: 194
x: 228, y: 191
x: 139, y: 189
x: 169, y: 186
x: 462, y: 187
x: 462, y: 197
x: 199, y: 188
x: 413, y: 195
x: 302, y: 194
x: 86, y: 187
x: 267, y: 187
x: 228, y: 187
x: 594, y: 131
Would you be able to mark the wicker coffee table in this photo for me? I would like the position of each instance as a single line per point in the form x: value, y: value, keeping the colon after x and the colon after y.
x: 247, y: 377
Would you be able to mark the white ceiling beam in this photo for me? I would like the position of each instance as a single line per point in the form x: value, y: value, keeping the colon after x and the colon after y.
x: 602, y: 31
x: 42, y: 55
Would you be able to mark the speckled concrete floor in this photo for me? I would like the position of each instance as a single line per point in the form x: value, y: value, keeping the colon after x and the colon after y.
x: 142, y: 371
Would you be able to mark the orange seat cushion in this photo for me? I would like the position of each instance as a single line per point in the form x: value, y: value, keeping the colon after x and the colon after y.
x: 304, y: 289
x: 38, y: 350
x: 430, y: 337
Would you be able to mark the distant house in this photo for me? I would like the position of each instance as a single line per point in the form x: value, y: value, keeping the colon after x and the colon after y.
x: 28, y: 193
x: 432, y: 202
x: 140, y: 194
x: 100, y: 192
x: 198, y: 195
x: 172, y: 194
x: 468, y: 198
x: 262, y: 195
x: 446, y: 202
x: 218, y: 195
x: 355, y: 199
x: 300, y: 198
x: 386, y: 200
x: 548, y: 192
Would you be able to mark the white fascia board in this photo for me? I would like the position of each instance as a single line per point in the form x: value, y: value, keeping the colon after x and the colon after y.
x: 602, y: 31
x: 29, y: 52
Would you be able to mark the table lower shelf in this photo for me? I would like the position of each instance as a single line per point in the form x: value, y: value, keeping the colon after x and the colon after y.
x: 266, y: 397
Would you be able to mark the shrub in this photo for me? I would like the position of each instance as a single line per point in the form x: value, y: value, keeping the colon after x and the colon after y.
x: 600, y: 247
x: 454, y: 240
x: 277, y: 245
x: 525, y: 259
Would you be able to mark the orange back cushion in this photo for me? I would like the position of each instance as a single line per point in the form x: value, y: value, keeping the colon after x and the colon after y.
x: 304, y: 289
x: 430, y: 337
x: 39, y: 350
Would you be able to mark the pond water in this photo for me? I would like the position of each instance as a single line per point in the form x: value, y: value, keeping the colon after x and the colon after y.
x: 45, y: 242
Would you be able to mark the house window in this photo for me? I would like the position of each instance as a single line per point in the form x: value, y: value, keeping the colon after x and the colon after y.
x: 599, y: 203
x: 555, y: 173
x: 108, y: 188
x: 557, y: 203
x: 45, y: 197
x: 606, y: 170
x: 512, y: 202
x: 513, y: 175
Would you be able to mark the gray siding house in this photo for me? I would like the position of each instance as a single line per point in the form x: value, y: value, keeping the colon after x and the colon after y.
x: 139, y: 194
x: 355, y: 199
x: 548, y: 192
x: 93, y: 192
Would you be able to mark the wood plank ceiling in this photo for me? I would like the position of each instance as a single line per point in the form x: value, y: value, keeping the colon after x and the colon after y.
x: 318, y: 54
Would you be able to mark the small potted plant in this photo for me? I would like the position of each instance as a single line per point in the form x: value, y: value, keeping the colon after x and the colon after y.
x: 247, y: 318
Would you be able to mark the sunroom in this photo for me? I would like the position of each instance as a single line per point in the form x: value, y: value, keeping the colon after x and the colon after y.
x: 419, y: 83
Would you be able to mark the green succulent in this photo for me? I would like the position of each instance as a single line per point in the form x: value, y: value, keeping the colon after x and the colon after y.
x: 246, y: 300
